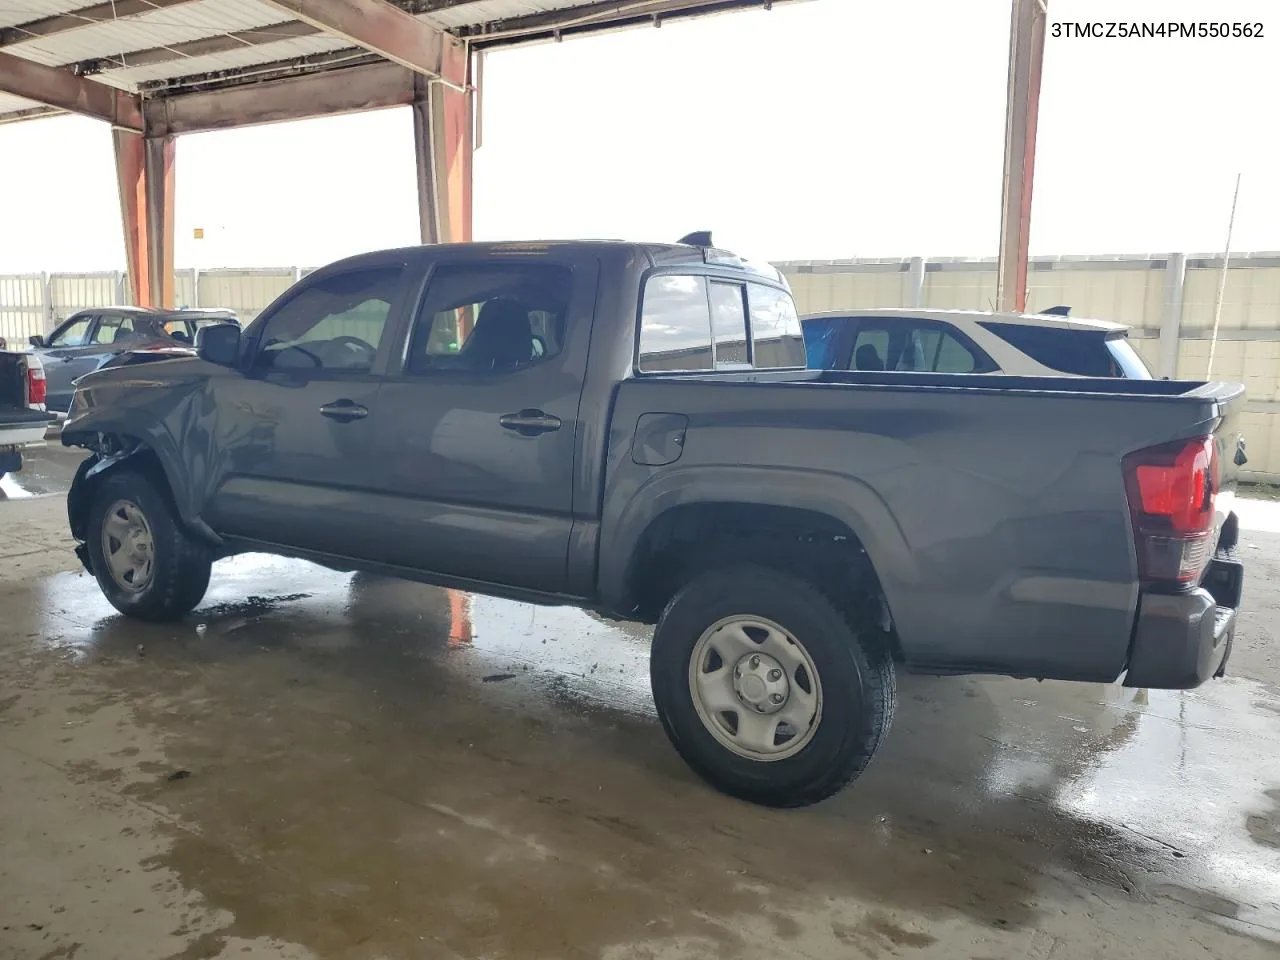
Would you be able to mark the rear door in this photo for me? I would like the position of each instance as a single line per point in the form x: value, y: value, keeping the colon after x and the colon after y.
x: 475, y: 447
x: 296, y: 423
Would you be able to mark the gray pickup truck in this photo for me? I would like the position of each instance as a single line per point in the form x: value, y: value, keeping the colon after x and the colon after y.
x: 630, y: 428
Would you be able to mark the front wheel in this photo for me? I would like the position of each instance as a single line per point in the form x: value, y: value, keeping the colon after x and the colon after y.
x: 767, y: 689
x: 146, y: 564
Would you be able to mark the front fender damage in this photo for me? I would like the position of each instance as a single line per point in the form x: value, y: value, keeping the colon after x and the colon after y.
x: 106, y: 455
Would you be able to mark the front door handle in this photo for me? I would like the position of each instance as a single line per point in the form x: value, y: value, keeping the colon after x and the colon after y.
x: 344, y: 411
x: 530, y: 423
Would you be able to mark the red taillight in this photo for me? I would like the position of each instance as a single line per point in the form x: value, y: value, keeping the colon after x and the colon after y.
x: 37, y: 386
x: 1171, y: 491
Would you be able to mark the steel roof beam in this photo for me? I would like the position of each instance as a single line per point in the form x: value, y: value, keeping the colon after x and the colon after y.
x: 386, y: 30
x: 63, y: 90
x: 84, y: 17
x: 349, y: 90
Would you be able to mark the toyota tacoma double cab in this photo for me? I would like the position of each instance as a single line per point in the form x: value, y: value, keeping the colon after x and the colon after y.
x: 630, y: 428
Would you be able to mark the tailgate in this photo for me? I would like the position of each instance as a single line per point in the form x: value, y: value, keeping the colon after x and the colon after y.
x: 13, y: 383
x: 20, y: 427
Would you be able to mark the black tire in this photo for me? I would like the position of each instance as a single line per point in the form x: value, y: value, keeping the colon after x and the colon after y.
x: 180, y: 566
x: 855, y: 669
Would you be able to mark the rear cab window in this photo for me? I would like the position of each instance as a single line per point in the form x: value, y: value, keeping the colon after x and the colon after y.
x: 692, y: 322
x: 1081, y: 353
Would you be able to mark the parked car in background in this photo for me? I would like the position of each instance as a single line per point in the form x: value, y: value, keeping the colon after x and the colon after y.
x: 23, y: 419
x: 970, y: 341
x: 89, y: 339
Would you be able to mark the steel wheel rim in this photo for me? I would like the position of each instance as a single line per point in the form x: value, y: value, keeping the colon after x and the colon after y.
x: 755, y: 688
x: 128, y: 546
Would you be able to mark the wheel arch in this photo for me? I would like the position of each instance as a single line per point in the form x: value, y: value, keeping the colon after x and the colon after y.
x: 670, y: 517
x: 132, y: 447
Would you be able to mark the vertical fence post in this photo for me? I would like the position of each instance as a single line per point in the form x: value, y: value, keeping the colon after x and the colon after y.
x: 915, y: 282
x: 46, y: 294
x: 1175, y: 275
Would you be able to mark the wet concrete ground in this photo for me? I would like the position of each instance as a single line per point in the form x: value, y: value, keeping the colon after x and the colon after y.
x: 331, y: 765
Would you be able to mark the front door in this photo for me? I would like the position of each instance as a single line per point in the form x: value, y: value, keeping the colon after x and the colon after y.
x: 68, y: 355
x: 476, y: 445
x: 296, y: 425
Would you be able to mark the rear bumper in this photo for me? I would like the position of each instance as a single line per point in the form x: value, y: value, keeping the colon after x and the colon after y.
x: 22, y: 435
x: 1181, y: 641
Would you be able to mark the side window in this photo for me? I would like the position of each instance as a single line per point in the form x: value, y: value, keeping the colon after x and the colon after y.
x: 870, y: 348
x: 729, y: 323
x: 775, y: 328
x: 954, y: 357
x: 73, y: 334
x: 906, y: 346
x: 490, y: 319
x: 333, y: 325
x: 675, y: 325
x: 112, y: 327
x: 180, y: 329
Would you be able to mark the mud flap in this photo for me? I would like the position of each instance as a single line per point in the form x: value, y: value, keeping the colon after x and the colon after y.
x: 1226, y: 655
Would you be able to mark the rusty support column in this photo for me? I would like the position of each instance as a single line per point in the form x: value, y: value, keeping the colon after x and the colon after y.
x: 443, y: 124
x: 144, y: 172
x: 1026, y: 56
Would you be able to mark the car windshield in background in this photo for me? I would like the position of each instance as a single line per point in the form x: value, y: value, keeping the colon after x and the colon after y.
x: 1080, y: 353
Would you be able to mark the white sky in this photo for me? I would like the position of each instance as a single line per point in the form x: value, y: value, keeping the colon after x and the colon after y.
x: 825, y: 129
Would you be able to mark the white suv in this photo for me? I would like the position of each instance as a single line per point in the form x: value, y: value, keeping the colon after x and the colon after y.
x: 970, y: 341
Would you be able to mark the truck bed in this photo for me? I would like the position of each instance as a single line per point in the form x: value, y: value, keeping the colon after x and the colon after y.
x: 993, y: 508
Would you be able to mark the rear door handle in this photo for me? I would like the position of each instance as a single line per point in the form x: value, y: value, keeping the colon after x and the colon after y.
x: 530, y: 423
x: 344, y: 411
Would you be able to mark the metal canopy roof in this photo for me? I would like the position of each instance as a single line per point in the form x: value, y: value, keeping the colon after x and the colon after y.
x: 165, y: 48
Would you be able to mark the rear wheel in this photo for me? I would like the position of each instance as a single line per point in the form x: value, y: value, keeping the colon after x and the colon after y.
x: 766, y: 687
x: 146, y: 564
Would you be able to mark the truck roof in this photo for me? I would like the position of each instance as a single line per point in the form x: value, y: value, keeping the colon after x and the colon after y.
x: 658, y: 254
